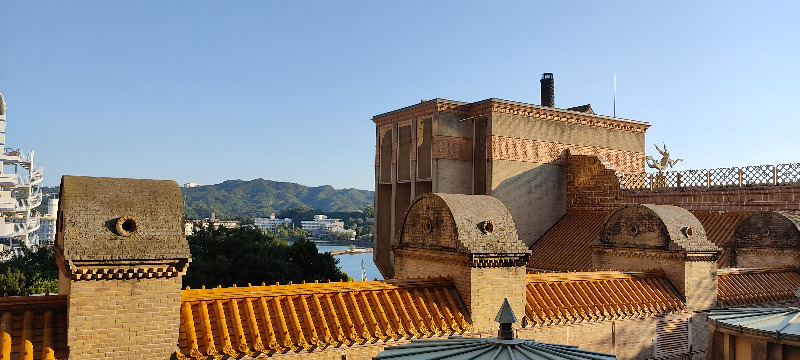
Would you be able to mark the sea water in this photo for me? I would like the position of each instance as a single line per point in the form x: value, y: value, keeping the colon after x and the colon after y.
x: 351, y: 263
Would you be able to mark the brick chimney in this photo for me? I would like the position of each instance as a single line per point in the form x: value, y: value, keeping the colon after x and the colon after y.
x: 473, y: 240
x: 121, y: 253
x: 548, y: 90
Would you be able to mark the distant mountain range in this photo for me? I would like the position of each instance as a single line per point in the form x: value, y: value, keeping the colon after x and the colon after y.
x: 259, y: 198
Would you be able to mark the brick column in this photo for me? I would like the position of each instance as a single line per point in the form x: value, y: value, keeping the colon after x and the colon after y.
x: 121, y: 254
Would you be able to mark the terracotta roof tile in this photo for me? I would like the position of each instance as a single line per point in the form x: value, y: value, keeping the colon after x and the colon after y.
x: 754, y: 286
x: 719, y: 226
x: 558, y: 298
x: 565, y: 247
x: 34, y: 323
x: 267, y: 319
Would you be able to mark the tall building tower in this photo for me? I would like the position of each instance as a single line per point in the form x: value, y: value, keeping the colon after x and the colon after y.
x: 512, y: 151
x: 19, y: 193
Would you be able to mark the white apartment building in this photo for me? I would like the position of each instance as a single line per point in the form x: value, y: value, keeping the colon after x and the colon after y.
x: 270, y: 223
x: 321, y: 226
x: 47, y: 230
x: 19, y: 193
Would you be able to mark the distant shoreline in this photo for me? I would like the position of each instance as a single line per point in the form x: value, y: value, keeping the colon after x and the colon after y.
x: 359, y: 244
x: 352, y: 252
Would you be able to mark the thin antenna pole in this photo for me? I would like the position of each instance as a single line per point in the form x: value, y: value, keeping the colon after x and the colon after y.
x: 615, y: 94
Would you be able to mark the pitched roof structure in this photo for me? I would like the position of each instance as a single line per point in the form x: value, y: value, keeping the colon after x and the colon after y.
x: 739, y: 287
x: 282, y: 318
x: 558, y: 298
x: 33, y: 327
x: 719, y: 226
x: 565, y: 247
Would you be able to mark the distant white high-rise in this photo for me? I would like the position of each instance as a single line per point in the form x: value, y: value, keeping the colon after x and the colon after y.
x: 47, y: 230
x: 19, y: 193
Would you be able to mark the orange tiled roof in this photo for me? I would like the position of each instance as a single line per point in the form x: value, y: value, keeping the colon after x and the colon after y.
x: 719, y: 226
x: 754, y: 286
x: 266, y: 319
x: 33, y: 327
x: 565, y: 247
x: 558, y: 298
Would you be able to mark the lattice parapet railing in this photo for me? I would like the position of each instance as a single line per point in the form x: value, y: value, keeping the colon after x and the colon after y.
x: 746, y: 176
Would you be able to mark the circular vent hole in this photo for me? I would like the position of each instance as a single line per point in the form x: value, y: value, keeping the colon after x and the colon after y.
x: 688, y: 231
x: 488, y: 227
x: 129, y: 225
x: 126, y: 225
x: 428, y: 226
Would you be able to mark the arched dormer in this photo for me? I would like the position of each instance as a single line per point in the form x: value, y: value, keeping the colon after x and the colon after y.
x: 765, y: 239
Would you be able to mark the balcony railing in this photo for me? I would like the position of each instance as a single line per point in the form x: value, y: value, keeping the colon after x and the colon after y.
x: 747, y: 176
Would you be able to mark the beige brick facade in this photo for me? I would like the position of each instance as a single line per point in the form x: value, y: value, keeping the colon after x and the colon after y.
x: 121, y: 253
x: 512, y: 151
x: 123, y: 319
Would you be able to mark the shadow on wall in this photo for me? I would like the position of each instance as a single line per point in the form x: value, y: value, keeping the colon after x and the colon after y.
x: 536, y: 196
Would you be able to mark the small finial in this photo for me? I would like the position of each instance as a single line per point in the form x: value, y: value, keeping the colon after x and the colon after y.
x: 506, y: 318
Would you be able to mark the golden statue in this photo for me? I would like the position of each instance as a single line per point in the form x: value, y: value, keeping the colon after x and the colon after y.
x: 665, y: 162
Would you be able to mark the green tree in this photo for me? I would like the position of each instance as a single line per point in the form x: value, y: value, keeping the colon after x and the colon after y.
x: 240, y: 256
x: 30, y: 272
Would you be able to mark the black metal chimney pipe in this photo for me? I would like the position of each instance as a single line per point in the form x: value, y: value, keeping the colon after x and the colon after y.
x: 548, y: 90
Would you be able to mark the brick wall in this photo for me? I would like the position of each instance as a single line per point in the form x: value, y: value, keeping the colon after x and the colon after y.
x: 671, y: 263
x: 700, y: 285
x: 114, y: 319
x: 488, y: 287
x: 592, y: 185
x: 764, y: 198
x: 759, y: 257
x: 481, y: 289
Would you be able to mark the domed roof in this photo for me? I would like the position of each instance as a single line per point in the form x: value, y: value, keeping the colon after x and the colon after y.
x: 457, y: 347
x: 471, y: 224
x: 776, y: 323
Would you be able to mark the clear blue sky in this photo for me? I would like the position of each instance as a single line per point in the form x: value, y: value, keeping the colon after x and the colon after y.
x: 205, y: 91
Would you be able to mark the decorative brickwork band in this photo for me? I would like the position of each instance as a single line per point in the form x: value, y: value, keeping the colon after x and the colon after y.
x: 499, y: 260
x: 535, y: 151
x: 542, y: 112
x: 451, y: 147
x: 138, y: 271
x: 424, y: 109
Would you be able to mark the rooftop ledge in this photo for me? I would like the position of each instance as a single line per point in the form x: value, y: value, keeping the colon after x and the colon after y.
x: 490, y: 105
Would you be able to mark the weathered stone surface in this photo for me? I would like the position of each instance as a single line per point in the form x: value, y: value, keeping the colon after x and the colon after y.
x: 651, y: 226
x: 120, y: 219
x: 468, y: 224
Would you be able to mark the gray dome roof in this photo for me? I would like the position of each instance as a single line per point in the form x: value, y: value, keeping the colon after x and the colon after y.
x: 465, y: 348
x: 773, y: 322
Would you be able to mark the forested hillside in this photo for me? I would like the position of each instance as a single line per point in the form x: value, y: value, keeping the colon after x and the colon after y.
x: 259, y: 198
